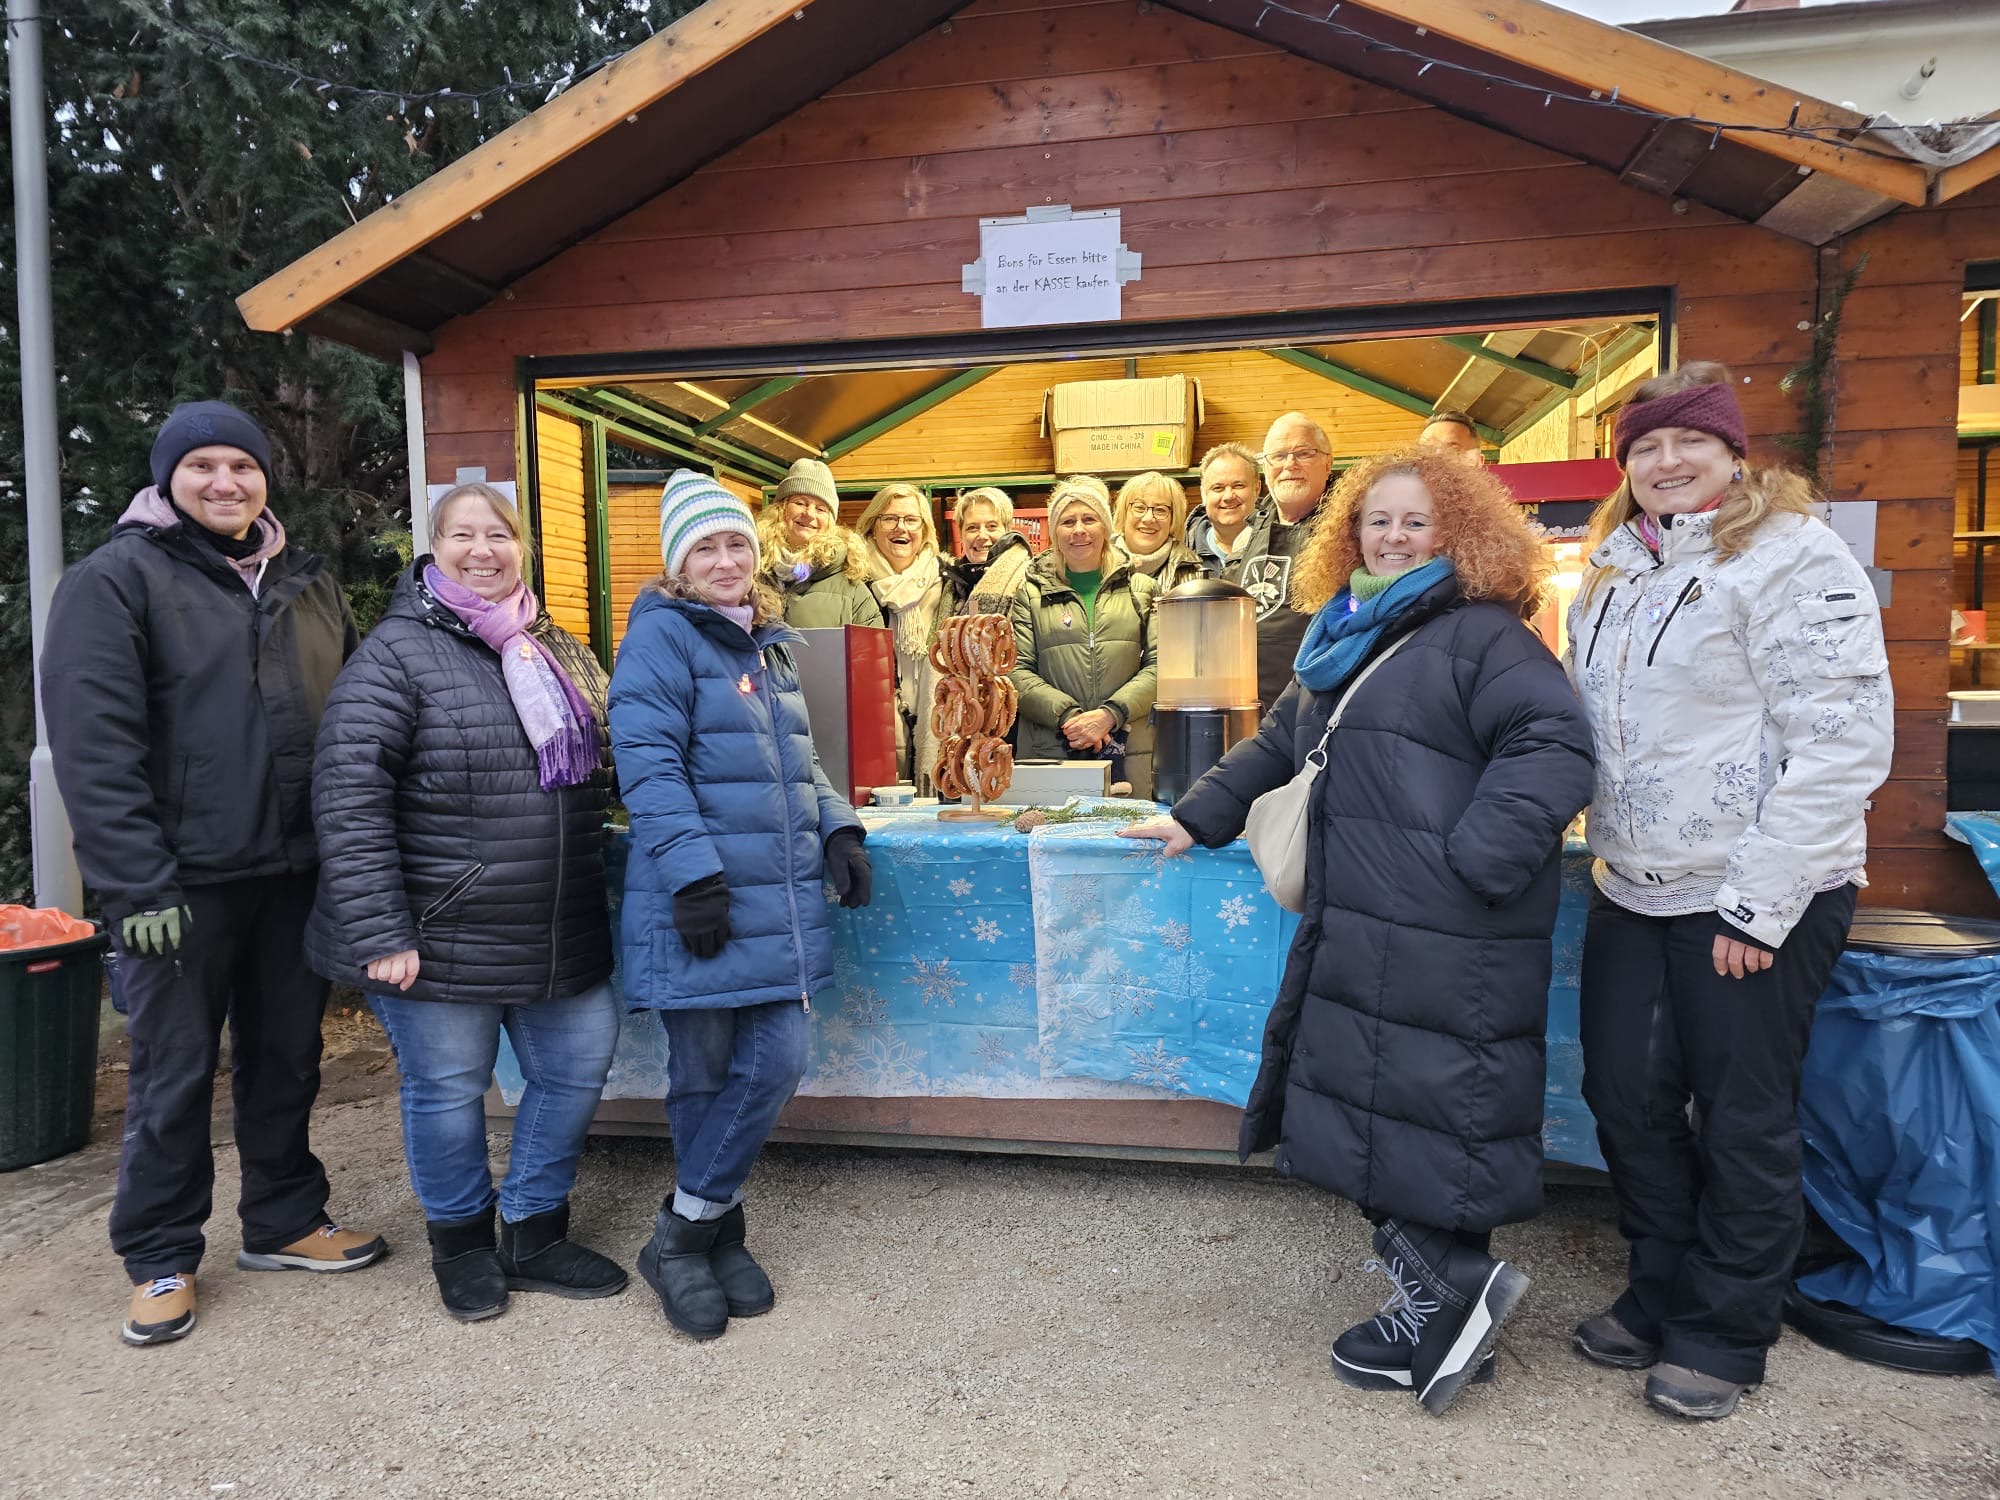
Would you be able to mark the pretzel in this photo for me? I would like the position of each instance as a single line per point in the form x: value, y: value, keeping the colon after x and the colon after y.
x: 949, y: 771
x: 990, y: 765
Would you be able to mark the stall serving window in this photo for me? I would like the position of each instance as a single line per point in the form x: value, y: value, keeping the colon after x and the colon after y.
x: 1016, y: 414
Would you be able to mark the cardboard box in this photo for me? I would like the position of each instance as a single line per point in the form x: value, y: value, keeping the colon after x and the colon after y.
x: 1123, y: 425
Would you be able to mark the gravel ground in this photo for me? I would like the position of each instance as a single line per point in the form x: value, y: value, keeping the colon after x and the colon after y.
x: 946, y: 1325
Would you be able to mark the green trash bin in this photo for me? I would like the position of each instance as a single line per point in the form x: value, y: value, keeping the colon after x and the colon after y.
x: 49, y: 1004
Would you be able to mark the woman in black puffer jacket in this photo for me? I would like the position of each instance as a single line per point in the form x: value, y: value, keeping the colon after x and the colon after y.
x: 460, y: 783
x: 1403, y: 1064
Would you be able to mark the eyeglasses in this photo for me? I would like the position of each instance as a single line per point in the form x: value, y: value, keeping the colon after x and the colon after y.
x: 1141, y: 511
x: 1288, y: 456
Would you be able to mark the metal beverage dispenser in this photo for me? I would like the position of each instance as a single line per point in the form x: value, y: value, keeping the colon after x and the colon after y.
x: 1207, y: 680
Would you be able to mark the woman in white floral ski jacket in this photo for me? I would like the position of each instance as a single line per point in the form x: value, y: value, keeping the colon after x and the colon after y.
x: 1728, y: 651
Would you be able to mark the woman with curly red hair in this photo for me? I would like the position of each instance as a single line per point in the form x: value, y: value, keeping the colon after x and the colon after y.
x: 1403, y: 1060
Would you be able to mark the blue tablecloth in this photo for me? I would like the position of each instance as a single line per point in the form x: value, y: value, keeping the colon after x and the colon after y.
x: 1068, y: 963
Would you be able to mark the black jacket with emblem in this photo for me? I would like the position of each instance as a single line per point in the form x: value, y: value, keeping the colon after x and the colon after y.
x: 435, y: 829
x: 1263, y: 563
x: 182, y: 707
x: 1403, y: 1059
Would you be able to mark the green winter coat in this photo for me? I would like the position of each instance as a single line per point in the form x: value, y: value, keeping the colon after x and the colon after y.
x: 832, y: 595
x: 1070, y: 665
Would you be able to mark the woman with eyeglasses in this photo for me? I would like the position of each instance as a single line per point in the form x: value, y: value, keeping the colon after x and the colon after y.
x: 1151, y: 512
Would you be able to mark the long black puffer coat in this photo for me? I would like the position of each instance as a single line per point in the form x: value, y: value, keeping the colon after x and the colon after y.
x: 1403, y: 1060
x: 435, y: 833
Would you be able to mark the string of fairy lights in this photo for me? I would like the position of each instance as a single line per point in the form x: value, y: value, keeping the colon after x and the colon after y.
x: 1328, y: 20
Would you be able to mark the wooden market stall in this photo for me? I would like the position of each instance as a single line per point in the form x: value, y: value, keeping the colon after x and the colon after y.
x: 746, y: 240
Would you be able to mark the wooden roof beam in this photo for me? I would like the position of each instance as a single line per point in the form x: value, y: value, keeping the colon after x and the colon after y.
x: 755, y: 396
x: 1368, y: 385
x: 456, y: 192
x: 1478, y: 348
x: 916, y: 406
x: 1666, y: 80
x: 1614, y: 354
x: 653, y: 416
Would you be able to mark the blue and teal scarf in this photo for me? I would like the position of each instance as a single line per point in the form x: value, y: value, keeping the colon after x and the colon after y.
x: 1346, y: 630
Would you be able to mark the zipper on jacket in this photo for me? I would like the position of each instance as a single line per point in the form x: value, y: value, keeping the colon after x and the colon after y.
x: 1587, y: 655
x: 784, y: 791
x: 1687, y: 592
x: 452, y: 894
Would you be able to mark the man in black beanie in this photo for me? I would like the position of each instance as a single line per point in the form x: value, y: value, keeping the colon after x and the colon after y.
x: 185, y: 761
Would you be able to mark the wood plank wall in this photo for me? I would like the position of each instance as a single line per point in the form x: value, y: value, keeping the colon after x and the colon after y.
x: 634, y: 515
x: 565, y: 570
x: 1253, y: 182
x: 995, y: 427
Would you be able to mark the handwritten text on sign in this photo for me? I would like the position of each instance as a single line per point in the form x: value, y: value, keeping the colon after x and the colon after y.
x: 1058, y: 270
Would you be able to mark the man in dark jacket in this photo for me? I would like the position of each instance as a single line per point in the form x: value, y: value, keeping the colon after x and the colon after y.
x: 189, y: 659
x: 1298, y: 465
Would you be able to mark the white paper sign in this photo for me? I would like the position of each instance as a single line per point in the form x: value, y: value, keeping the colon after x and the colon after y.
x: 1050, y: 269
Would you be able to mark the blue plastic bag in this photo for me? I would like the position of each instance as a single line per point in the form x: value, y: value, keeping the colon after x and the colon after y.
x: 1900, y: 1110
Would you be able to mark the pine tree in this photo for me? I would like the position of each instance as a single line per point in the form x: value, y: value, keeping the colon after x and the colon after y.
x: 180, y: 176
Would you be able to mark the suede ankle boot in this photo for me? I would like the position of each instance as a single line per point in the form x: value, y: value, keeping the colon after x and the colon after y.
x: 536, y: 1255
x: 467, y: 1267
x: 675, y: 1264
x: 744, y: 1283
x: 1464, y: 1297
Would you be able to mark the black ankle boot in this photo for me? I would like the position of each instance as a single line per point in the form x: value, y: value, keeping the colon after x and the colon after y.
x: 675, y: 1264
x: 1463, y: 1297
x: 467, y: 1267
x: 744, y: 1283
x: 1376, y: 1355
x: 536, y: 1255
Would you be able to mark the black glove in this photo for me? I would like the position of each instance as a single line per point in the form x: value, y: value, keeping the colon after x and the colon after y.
x: 848, y: 868
x: 701, y: 916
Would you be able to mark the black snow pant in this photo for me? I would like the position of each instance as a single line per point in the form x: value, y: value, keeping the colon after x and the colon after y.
x: 242, y: 960
x: 1714, y: 1215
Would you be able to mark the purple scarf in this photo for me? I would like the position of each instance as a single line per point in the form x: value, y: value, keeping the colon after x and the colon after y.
x: 558, y: 719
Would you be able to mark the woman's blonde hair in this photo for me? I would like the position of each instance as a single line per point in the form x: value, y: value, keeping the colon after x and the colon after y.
x: 986, y: 494
x: 1757, y: 493
x: 1494, y: 551
x: 765, y: 605
x: 1152, y: 482
x: 505, y: 509
x: 832, y: 545
x: 898, y: 491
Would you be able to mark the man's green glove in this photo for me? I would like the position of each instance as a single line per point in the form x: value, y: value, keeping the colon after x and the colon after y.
x: 156, y: 932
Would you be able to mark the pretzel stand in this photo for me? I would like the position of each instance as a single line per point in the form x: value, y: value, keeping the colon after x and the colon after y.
x: 973, y: 710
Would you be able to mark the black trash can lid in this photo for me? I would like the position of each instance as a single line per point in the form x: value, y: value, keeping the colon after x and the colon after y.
x: 1922, y: 934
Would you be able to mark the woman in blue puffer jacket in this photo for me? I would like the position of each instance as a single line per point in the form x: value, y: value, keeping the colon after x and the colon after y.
x: 724, y: 930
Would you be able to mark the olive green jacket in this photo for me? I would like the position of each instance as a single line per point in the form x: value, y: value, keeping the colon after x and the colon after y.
x: 1070, y: 665
x: 832, y: 595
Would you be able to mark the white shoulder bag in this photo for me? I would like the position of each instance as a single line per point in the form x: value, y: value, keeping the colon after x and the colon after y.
x: 1277, y: 825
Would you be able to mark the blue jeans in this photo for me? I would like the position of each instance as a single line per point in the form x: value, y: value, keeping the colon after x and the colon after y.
x: 446, y: 1053
x: 729, y: 1073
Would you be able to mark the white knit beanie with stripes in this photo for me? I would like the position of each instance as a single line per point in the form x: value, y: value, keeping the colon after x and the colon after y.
x: 693, y: 506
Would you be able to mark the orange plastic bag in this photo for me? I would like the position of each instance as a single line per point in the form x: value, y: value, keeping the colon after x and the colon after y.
x: 38, y: 927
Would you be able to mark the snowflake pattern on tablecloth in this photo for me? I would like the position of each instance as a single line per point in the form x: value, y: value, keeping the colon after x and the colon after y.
x: 836, y: 1032
x: 1234, y: 912
x: 880, y: 1067
x: 960, y: 888
x: 865, y: 1005
x: 1022, y: 977
x: 1066, y: 1012
x: 1176, y: 935
x: 1156, y: 1066
x: 935, y: 979
x: 986, y: 930
x: 1133, y: 913
x: 992, y: 1051
x: 1057, y: 943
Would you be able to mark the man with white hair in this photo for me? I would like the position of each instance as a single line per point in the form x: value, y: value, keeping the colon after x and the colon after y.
x: 1298, y: 467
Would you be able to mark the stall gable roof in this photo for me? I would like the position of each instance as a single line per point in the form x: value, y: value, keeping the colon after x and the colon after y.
x: 731, y: 68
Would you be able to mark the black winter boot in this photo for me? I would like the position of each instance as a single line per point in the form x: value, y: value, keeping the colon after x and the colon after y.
x: 675, y: 1264
x: 743, y: 1280
x: 537, y: 1256
x: 1375, y: 1355
x: 1465, y: 1297
x: 467, y: 1267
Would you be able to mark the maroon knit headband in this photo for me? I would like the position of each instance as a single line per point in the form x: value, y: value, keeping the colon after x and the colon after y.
x: 1705, y: 408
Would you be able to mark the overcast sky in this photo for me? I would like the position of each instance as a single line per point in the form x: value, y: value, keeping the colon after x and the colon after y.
x: 1622, y: 11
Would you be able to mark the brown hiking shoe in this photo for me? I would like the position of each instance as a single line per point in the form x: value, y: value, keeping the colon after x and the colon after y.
x: 327, y: 1248
x: 161, y: 1311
